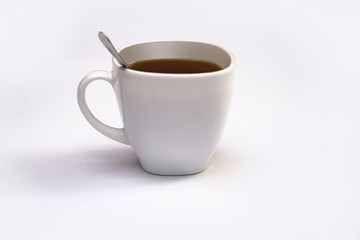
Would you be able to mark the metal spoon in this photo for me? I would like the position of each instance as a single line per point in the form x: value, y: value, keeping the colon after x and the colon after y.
x: 109, y: 46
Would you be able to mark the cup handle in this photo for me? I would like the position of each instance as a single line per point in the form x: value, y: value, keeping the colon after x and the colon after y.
x: 117, y: 134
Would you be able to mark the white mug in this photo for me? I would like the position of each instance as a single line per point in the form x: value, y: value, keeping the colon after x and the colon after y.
x: 173, y: 121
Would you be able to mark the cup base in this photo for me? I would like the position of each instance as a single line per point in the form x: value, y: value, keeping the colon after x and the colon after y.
x: 174, y: 172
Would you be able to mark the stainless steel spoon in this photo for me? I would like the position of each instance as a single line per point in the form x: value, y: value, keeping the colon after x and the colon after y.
x: 109, y: 46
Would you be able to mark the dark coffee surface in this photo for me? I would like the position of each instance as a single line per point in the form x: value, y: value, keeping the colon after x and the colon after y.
x: 175, y: 66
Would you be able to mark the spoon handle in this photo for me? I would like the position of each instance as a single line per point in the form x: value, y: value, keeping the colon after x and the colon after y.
x: 109, y: 46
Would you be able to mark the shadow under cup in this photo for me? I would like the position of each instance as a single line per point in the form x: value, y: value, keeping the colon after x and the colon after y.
x: 174, y: 122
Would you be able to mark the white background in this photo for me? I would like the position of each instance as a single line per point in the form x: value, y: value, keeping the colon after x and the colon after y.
x: 288, y: 166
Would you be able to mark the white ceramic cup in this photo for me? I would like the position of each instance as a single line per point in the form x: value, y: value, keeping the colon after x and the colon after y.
x: 173, y: 121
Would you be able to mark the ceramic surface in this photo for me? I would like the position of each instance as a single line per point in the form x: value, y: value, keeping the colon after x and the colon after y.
x: 173, y: 121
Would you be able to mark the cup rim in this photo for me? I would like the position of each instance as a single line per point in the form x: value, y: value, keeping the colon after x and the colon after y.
x: 181, y: 75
